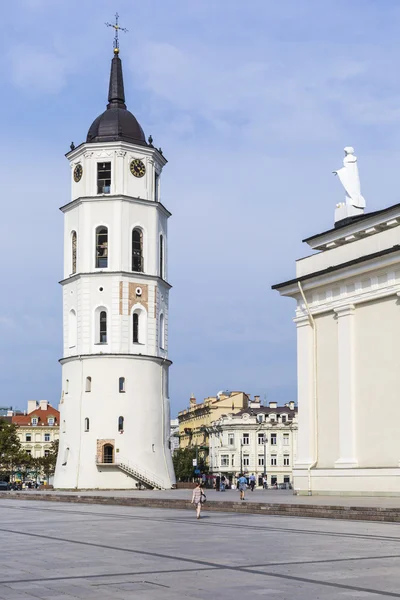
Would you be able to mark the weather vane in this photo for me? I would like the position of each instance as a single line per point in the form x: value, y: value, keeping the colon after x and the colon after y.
x: 117, y: 29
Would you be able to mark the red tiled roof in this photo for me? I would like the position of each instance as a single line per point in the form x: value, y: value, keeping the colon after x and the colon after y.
x: 41, y: 415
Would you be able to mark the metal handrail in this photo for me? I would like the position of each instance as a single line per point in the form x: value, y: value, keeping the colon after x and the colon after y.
x: 147, y: 475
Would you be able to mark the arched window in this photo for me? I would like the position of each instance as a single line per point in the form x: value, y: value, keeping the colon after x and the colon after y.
x: 108, y: 453
x: 88, y: 384
x: 101, y: 247
x: 103, y: 327
x: 137, y: 250
x: 121, y: 385
x: 161, y: 257
x: 74, y: 243
x: 161, y: 332
x: 120, y: 423
x: 135, y: 322
x: 86, y: 424
x: 72, y: 328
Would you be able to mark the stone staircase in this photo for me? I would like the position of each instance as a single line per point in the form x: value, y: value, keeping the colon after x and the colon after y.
x: 145, y: 477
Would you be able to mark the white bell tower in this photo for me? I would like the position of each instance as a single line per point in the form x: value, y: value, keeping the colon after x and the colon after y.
x: 115, y: 416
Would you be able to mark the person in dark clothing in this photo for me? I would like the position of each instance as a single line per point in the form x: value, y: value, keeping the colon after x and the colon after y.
x: 217, y: 483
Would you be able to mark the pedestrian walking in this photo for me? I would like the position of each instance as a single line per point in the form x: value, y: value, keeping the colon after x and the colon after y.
x: 242, y: 482
x: 252, y: 482
x: 265, y: 484
x: 198, y: 498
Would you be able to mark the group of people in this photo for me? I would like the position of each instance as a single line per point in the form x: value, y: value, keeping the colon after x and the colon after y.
x: 243, y: 483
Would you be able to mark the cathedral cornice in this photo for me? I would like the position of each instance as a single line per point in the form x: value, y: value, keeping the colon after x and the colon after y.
x: 117, y: 145
x: 108, y: 197
x: 159, y: 359
x: 136, y: 275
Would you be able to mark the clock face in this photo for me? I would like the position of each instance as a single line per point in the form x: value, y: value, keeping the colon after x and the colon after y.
x: 137, y: 168
x: 78, y: 172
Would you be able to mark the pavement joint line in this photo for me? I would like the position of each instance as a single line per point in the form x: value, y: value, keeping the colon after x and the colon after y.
x: 215, y: 565
x: 214, y: 524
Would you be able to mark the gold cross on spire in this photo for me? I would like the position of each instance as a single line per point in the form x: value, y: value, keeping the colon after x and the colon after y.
x: 117, y: 29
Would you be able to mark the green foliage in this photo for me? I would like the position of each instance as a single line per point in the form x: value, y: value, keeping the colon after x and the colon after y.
x: 183, y: 463
x: 10, y: 447
x: 48, y: 463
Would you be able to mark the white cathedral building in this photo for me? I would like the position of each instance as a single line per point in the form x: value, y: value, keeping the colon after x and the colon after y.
x: 348, y: 354
x: 115, y: 415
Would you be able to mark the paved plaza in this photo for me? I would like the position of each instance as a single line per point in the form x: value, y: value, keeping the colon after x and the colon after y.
x: 64, y: 551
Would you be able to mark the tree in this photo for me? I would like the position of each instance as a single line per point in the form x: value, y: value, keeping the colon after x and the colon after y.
x: 10, y: 447
x: 183, y: 463
x: 48, y: 463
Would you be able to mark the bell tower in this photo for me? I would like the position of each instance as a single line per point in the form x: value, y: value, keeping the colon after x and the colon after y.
x: 115, y: 416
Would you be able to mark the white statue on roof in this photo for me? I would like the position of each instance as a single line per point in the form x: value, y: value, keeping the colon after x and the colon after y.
x: 349, y: 178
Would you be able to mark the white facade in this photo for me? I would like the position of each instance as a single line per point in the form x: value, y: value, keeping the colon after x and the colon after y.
x: 348, y: 327
x: 115, y: 422
x: 256, y: 440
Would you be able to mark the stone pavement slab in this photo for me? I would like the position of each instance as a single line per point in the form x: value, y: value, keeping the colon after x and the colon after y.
x: 64, y: 551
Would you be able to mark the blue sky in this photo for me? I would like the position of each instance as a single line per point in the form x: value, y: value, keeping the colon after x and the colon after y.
x: 252, y: 104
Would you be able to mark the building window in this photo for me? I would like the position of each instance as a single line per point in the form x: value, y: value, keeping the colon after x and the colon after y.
x: 108, y: 453
x: 272, y: 417
x: 246, y: 460
x: 120, y: 423
x: 233, y: 460
x: 28, y: 437
x: 34, y: 421
x: 72, y: 330
x: 47, y: 453
x: 161, y: 257
x: 286, y: 479
x: 50, y: 421
x: 121, y: 385
x: 260, y: 439
x: 224, y: 460
x: 286, y: 461
x: 137, y: 250
x: 28, y: 452
x: 66, y: 386
x: 273, y: 460
x: 103, y: 178
x: 86, y: 424
x: 73, y: 249
x: 88, y: 387
x: 162, y: 332
x: 286, y: 439
x: 283, y: 419
x: 46, y: 437
x: 260, y: 460
x: 101, y: 247
x: 246, y: 439
x: 231, y: 439
x: 156, y: 186
x: 135, y: 323
x: 273, y: 439
x: 103, y: 327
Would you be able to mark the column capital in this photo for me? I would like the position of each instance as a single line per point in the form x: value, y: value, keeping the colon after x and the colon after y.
x: 344, y: 311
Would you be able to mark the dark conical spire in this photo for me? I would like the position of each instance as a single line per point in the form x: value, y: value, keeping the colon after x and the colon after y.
x: 116, y: 94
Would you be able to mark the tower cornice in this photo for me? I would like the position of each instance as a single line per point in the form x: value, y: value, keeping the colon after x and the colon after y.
x: 159, y: 359
x: 116, y: 145
x: 136, y: 275
x: 108, y: 197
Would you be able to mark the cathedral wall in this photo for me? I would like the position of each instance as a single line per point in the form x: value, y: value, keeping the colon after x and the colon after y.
x: 377, y: 360
x: 327, y: 381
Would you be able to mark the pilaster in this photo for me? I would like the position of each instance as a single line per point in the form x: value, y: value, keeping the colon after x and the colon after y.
x: 346, y: 388
x: 306, y: 451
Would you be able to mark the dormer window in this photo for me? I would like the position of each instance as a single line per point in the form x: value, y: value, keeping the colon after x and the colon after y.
x: 34, y: 421
x: 50, y: 421
x: 103, y: 178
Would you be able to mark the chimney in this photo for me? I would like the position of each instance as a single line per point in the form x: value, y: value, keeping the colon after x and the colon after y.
x: 10, y: 413
x: 255, y: 403
x: 32, y: 405
x: 291, y: 405
x: 43, y: 404
x: 192, y: 401
x: 273, y: 405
